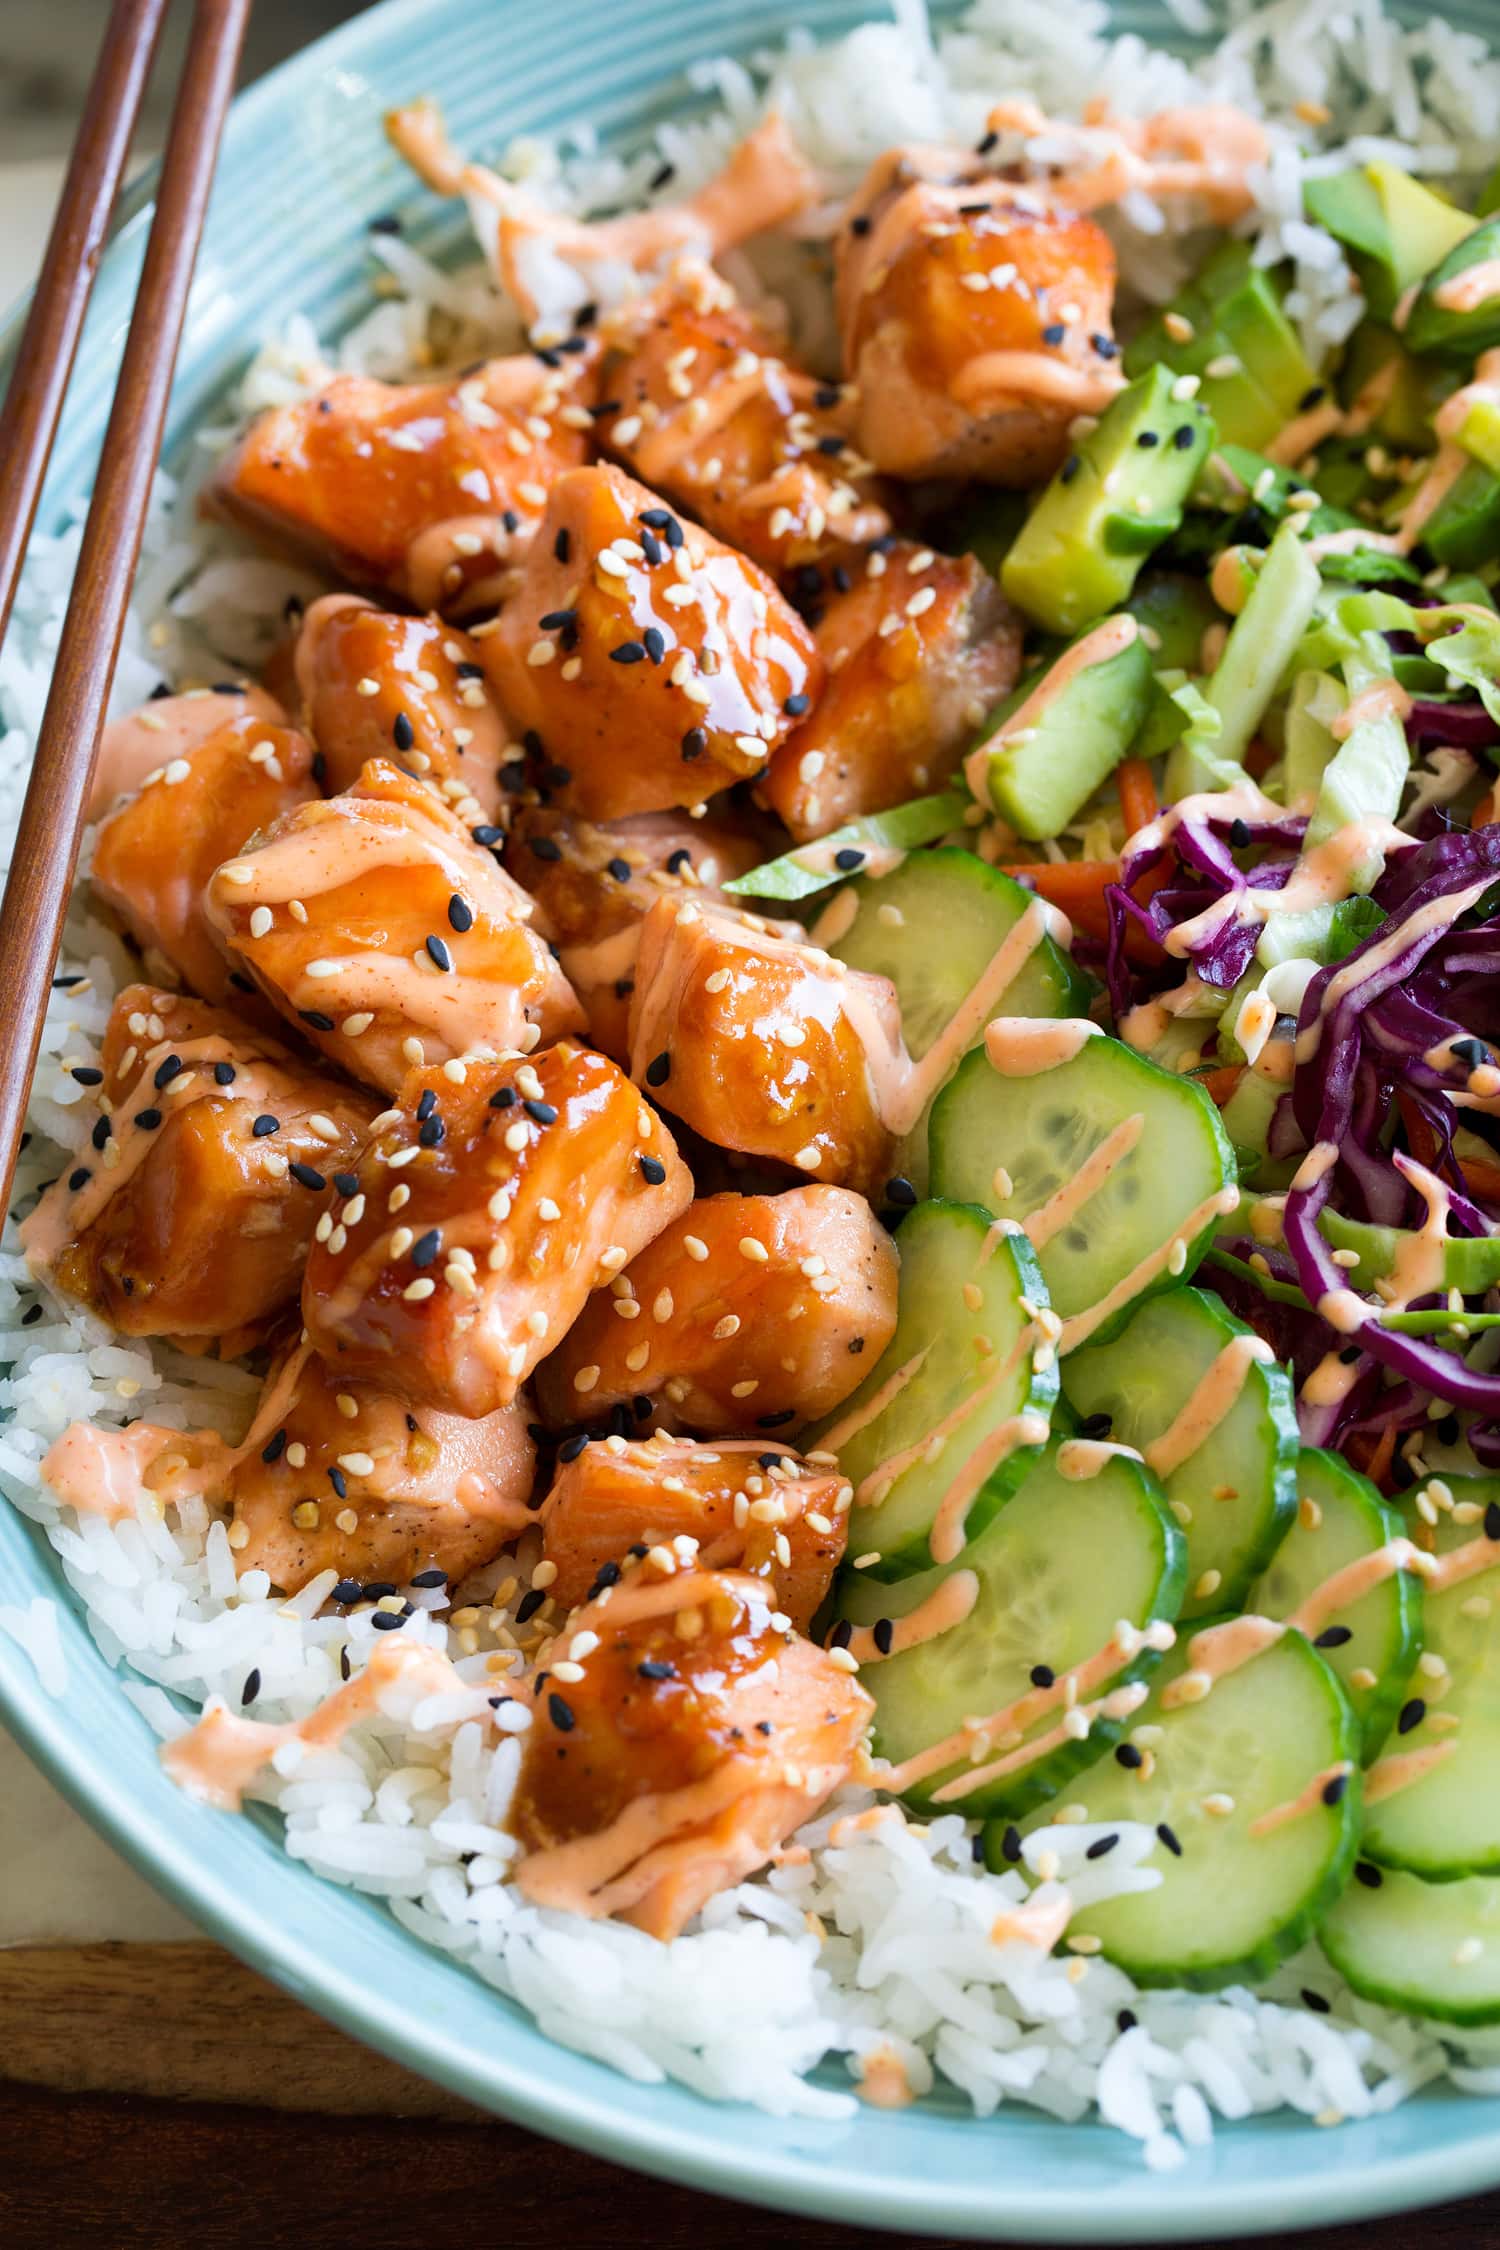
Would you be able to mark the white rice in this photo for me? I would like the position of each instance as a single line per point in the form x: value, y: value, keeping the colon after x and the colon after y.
x: 881, y: 1942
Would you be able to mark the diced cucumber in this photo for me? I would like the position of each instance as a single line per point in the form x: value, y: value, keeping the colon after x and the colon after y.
x: 1059, y: 1566
x: 1246, y: 1118
x: 954, y: 913
x: 1430, y: 1949
x: 1119, y: 496
x: 816, y: 867
x: 1231, y: 1903
x: 1234, y: 1492
x: 1452, y: 333
x: 1471, y: 1263
x: 978, y: 1379
x: 1170, y: 1171
x: 1372, y: 1645
x: 1039, y: 777
x: 1446, y: 1823
x: 1309, y: 744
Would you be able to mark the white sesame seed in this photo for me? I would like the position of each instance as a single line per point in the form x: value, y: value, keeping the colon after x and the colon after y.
x: 415, y: 1291
x: 808, y: 1158
x: 261, y: 919
x: 753, y: 1249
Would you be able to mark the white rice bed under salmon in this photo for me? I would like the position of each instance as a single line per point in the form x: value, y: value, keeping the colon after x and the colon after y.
x: 877, y: 1945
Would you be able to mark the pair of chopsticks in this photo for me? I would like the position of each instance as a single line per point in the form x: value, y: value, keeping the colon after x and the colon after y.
x: 36, y: 895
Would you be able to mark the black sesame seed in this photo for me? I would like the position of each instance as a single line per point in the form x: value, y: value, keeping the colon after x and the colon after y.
x: 656, y: 1668
x: 1183, y: 436
x: 31, y: 1316
x: 306, y: 1176
x: 1054, y: 332
x: 826, y: 395
x: 562, y: 545
x: 1042, y: 1675
x: 340, y: 1485
x: 251, y: 1688
x: 347, y: 1183
x: 543, y: 1112
x: 529, y: 1604
x: 848, y: 858
x: 694, y: 743
x: 1472, y: 1051
x: 345, y: 1667
x: 376, y: 1589
x: 555, y: 619
x: 167, y: 1071
x: 1010, y: 1844
x: 504, y: 1097
x: 560, y: 1713
x: 659, y: 1069
x: 101, y: 1132
x: 776, y: 1421
x: 976, y: 1847
x: 1101, y: 1847
x: 652, y: 548
x: 430, y: 1134
x: 403, y: 733
x: 1105, y: 346
x: 460, y: 914
x: 224, y: 1074
x: 426, y: 1104
x: 859, y: 224
x: 1448, y: 1431
x: 624, y: 986
x: 1096, y: 1426
x: 620, y: 869
x: 1314, y: 397
x: 796, y: 706
x: 265, y: 1124
x: 487, y: 834
x: 661, y: 177
x: 1315, y: 2001
x: 571, y: 1447
x: 1335, y: 1789
x: 547, y: 848
x: 1239, y: 834
x: 678, y: 860
x: 438, y: 952
x: 79, y: 1179
x: 1147, y: 439
x: 386, y: 223
x: 656, y: 643
x: 842, y: 1634
x: 900, y: 1192
x: 883, y: 1635
x: 1492, y: 1519
x: 426, y: 1247
x: 1127, y: 1755
x: 1411, y: 1714
x: 66, y: 984
x: 628, y: 652
x: 586, y: 315
x: 1333, y: 1636
x: 1350, y: 1353
x: 1168, y: 1836
x: 87, y: 1076
x: 1126, y: 2020
x: 148, y: 1119
x: 607, y: 1575
x: 1370, y: 1877
x: 319, y: 768
x: 315, y: 1019
x: 386, y: 1621
x: 431, y: 1578
x: 653, y: 1170
x: 1069, y: 469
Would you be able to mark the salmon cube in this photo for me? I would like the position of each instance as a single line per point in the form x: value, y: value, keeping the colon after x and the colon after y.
x: 168, y: 727
x: 746, y: 1504
x: 192, y: 1213
x: 156, y: 851
x: 376, y: 922
x: 919, y: 650
x: 975, y: 319
x: 375, y: 685
x: 749, y: 1312
x: 594, y: 886
x: 763, y: 1043
x: 342, y: 1475
x: 696, y: 1733
x: 428, y: 491
x: 706, y: 409
x: 655, y: 664
x: 486, y: 1209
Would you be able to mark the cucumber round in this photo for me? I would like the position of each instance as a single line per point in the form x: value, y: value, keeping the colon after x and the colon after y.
x: 982, y: 1365
x: 1171, y: 1187
x: 1236, y: 1493
x: 1447, y: 1823
x: 1384, y: 1626
x: 956, y: 913
x: 1432, y: 1949
x: 1233, y: 1904
x: 1058, y: 1567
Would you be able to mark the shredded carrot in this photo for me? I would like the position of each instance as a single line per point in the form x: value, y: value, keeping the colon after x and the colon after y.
x: 1077, y: 886
x: 1488, y: 807
x: 1481, y: 1177
x: 1421, y: 1139
x: 1379, y: 1454
x: 1220, y: 1084
x: 1138, y: 806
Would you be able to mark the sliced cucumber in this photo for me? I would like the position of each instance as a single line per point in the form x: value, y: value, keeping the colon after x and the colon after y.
x: 1432, y: 1949
x: 818, y: 866
x: 1471, y: 1263
x: 981, y: 1377
x: 1120, y: 1243
x: 933, y: 927
x: 1060, y: 1565
x: 1373, y: 1644
x: 1446, y: 1823
x: 1231, y: 1903
x: 1235, y: 1492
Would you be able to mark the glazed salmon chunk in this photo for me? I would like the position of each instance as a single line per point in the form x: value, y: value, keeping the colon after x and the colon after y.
x: 746, y: 1503
x: 763, y: 1043
x: 346, y: 1476
x: 975, y: 316
x: 192, y: 1212
x: 696, y: 1732
x: 427, y: 491
x: 918, y: 651
x: 376, y: 923
x: 372, y: 684
x: 156, y: 851
x: 749, y: 1312
x: 704, y: 408
x: 483, y: 1211
x: 594, y: 886
x: 168, y: 727
x: 653, y: 663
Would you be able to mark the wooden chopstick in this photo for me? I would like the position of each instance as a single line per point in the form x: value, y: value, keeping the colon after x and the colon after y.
x: 36, y: 895
x: 44, y: 361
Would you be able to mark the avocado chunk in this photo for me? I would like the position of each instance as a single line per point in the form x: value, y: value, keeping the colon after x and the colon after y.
x: 1114, y: 500
x: 1479, y: 435
x: 1082, y: 719
x: 1463, y: 530
x: 1454, y: 329
x: 1238, y: 328
x: 1402, y: 400
x: 986, y: 527
x: 1394, y: 229
x: 1174, y: 612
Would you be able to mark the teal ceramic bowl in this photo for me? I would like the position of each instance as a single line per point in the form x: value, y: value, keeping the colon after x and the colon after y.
x: 305, y: 167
